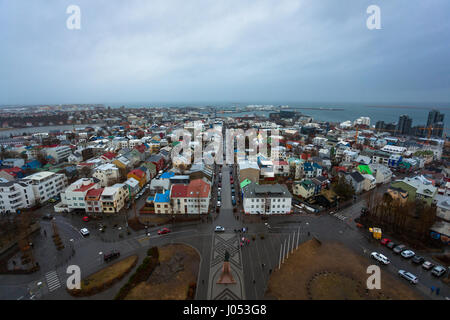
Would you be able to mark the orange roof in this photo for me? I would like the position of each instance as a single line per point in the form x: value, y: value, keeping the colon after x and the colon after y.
x: 138, y: 173
x: 198, y: 189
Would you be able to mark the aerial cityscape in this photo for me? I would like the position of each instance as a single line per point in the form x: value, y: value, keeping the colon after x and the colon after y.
x: 269, y: 190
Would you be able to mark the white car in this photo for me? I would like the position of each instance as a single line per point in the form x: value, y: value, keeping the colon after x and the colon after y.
x: 407, y: 254
x: 218, y: 203
x: 408, y: 276
x: 84, y: 232
x: 219, y: 229
x: 380, y: 258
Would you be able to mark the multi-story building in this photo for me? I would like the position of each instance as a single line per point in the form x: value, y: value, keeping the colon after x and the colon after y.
x: 113, y: 198
x: 74, y: 196
x: 47, y: 185
x: 60, y: 153
x: 267, y: 199
x: 93, y: 200
x: 107, y: 174
x: 192, y: 198
x: 16, y: 195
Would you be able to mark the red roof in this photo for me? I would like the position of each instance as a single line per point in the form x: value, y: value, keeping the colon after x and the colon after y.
x: 140, y: 148
x: 179, y: 191
x: 12, y: 171
x: 109, y: 155
x: 198, y: 189
x: 280, y: 163
x: 85, y: 187
x: 94, y: 193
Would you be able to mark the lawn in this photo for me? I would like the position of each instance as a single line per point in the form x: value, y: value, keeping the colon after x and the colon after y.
x: 105, y: 277
x: 179, y: 265
x: 326, y: 271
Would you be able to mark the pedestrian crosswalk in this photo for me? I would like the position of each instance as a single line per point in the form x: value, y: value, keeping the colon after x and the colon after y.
x: 52, y: 281
x: 340, y: 216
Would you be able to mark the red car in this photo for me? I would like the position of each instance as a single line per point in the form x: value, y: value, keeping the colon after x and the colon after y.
x: 385, y: 241
x: 85, y: 218
x: 163, y: 231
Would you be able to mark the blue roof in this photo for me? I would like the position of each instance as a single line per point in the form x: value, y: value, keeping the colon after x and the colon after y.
x: 167, y: 175
x: 163, y: 197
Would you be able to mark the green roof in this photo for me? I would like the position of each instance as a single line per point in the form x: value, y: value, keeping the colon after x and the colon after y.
x: 364, y: 169
x: 245, y: 183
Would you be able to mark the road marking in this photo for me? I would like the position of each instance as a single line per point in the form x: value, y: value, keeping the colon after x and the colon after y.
x: 52, y: 281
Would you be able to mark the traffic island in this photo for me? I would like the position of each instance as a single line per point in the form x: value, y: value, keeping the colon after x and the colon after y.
x: 105, y: 278
x: 174, y: 278
x: 330, y: 271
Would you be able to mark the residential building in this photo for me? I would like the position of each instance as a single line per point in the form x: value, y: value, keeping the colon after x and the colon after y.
x: 59, y: 153
x: 16, y: 195
x: 193, y: 198
x: 305, y: 188
x: 47, y: 185
x: 113, y: 198
x: 74, y: 197
x: 93, y: 200
x: 266, y: 199
x: 107, y: 174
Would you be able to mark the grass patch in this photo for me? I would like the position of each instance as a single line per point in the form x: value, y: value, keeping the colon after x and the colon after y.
x: 173, y: 279
x: 330, y: 271
x: 105, y: 278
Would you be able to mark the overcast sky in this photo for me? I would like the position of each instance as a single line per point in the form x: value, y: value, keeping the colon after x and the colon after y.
x: 224, y: 50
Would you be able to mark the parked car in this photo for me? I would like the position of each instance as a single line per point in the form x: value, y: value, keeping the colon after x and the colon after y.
x: 391, y: 245
x: 408, y: 276
x: 219, y: 229
x: 380, y: 258
x: 438, y: 271
x: 385, y: 241
x: 84, y: 232
x: 163, y: 231
x: 408, y: 254
x: 111, y: 255
x: 219, y: 203
x: 233, y: 202
x: 48, y: 216
x: 398, y: 249
x: 427, y: 265
x: 86, y: 219
x: 418, y: 259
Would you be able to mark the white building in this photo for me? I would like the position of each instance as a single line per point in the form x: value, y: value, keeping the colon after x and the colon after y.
x: 369, y: 182
x: 13, y: 162
x: 107, y: 173
x: 47, y: 185
x: 60, y: 153
x: 74, y: 197
x: 362, y: 121
x: 267, y: 199
x: 16, y: 195
x: 381, y: 173
x: 393, y: 149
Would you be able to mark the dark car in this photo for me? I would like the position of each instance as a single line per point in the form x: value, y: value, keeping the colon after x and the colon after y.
x: 111, y: 256
x: 48, y: 216
x: 418, y: 260
x: 391, y: 245
x: 398, y: 249
x: 233, y: 202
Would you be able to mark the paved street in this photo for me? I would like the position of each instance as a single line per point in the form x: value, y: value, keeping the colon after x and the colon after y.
x: 247, y: 265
